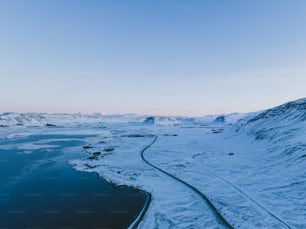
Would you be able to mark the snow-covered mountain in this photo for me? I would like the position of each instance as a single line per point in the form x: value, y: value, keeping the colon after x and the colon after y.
x: 43, y: 119
x: 250, y: 166
x: 282, y: 127
x: 17, y: 119
x: 8, y: 119
x: 278, y: 123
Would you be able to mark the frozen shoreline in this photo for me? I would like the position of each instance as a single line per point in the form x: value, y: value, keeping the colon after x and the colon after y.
x: 163, y: 210
x: 250, y: 169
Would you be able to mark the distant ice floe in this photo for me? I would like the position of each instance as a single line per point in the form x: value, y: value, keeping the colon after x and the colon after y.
x: 25, y: 152
x: 18, y: 135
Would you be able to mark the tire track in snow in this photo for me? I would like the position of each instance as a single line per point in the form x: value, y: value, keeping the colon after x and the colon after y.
x: 217, y: 214
x: 250, y: 199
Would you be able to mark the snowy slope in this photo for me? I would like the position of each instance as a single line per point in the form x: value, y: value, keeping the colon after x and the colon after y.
x: 14, y: 119
x: 161, y: 120
x: 253, y: 171
x: 250, y: 167
x: 279, y: 123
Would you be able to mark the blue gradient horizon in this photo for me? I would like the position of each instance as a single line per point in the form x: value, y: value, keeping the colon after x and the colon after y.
x: 168, y: 57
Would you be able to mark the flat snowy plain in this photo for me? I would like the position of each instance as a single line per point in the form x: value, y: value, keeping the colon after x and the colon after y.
x: 226, y: 171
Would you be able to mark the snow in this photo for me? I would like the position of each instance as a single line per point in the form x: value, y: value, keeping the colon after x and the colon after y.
x: 162, y: 121
x: 251, y: 167
x: 72, y: 120
x: 171, y: 202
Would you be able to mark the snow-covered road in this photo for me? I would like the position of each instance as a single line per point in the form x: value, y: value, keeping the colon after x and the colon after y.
x: 232, y: 171
x: 223, y: 223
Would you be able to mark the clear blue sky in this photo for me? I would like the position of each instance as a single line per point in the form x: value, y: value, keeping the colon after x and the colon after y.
x: 182, y: 57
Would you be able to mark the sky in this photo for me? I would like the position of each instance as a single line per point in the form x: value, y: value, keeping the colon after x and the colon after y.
x: 162, y: 57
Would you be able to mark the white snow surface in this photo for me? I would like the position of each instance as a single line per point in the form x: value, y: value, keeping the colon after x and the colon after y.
x: 43, y: 119
x: 161, y: 121
x: 251, y: 166
x: 8, y: 119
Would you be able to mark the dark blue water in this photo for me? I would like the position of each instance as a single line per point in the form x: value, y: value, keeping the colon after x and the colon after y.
x: 39, y: 190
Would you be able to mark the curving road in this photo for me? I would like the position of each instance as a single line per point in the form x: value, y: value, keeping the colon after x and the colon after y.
x: 143, y: 211
x: 221, y: 220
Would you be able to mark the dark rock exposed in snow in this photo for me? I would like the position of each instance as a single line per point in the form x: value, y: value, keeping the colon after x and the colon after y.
x: 220, y: 119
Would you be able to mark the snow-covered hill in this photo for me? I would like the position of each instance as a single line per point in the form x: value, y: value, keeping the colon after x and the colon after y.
x: 16, y: 119
x: 42, y: 119
x: 250, y: 166
x: 161, y: 120
x: 252, y: 169
x: 277, y: 124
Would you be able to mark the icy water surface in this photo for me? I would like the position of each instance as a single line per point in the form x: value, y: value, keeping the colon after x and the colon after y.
x: 39, y: 190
